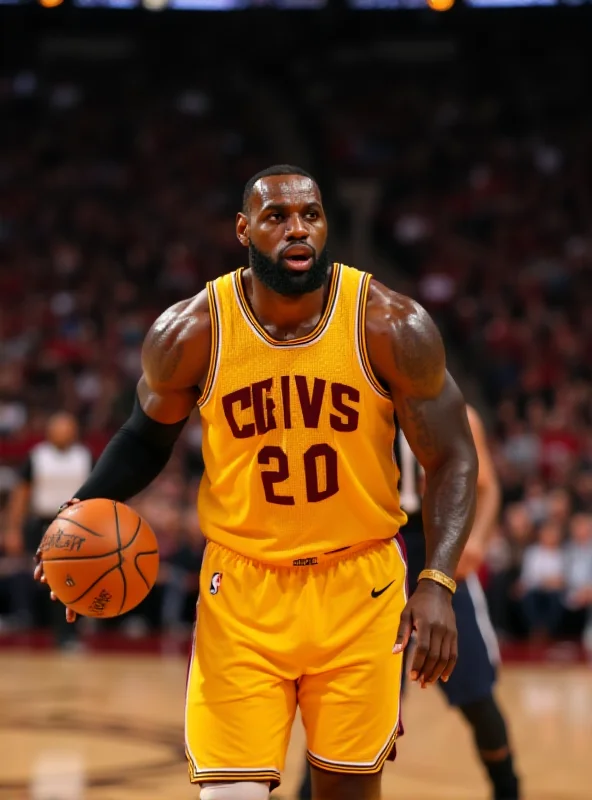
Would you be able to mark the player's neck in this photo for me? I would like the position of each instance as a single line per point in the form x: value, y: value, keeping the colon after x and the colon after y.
x: 286, y: 315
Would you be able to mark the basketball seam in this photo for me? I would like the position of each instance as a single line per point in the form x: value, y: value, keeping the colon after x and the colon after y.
x: 92, y: 586
x: 118, y: 534
x: 102, y: 555
x: 80, y: 525
x: 137, y: 556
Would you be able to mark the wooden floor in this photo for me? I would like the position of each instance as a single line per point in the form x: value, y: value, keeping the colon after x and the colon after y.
x: 120, y: 718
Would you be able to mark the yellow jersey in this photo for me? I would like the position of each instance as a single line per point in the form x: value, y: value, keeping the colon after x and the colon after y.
x: 298, y: 434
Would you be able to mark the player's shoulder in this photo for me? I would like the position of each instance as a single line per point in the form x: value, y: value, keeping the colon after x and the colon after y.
x: 403, y: 341
x: 178, y: 342
x: 184, y: 319
x: 391, y: 313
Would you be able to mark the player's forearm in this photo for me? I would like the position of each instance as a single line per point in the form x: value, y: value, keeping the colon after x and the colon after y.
x: 449, y: 510
x: 134, y: 457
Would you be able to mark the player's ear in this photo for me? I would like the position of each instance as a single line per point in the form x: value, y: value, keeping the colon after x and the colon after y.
x: 242, y: 229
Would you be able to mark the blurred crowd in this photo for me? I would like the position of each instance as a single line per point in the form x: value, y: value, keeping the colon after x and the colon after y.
x: 115, y: 200
x: 119, y: 199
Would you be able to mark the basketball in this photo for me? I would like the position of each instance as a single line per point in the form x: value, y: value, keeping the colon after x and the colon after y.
x: 100, y: 558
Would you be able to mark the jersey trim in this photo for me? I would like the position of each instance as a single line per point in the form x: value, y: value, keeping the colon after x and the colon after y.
x: 360, y: 768
x: 215, y: 349
x: 361, y: 346
x: 260, y: 331
x: 271, y: 775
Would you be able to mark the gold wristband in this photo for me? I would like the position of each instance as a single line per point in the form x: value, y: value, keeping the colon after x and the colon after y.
x: 438, y: 577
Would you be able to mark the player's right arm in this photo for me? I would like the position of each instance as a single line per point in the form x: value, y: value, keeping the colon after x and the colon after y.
x: 175, y: 360
x: 175, y: 363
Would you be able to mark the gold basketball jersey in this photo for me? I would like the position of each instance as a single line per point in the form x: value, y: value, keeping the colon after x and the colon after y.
x: 297, y: 435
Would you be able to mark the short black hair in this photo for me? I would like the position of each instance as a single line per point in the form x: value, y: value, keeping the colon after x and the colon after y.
x: 277, y: 169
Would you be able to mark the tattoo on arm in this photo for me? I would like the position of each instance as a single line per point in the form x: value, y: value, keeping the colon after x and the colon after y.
x: 163, y: 351
x: 408, y: 352
x: 439, y: 434
x: 425, y: 437
x: 166, y: 361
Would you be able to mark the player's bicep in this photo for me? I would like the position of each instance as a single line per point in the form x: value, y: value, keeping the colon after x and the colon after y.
x: 436, y: 428
x: 175, y: 361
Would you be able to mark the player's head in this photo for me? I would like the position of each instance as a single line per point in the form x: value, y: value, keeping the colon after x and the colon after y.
x: 284, y: 226
x: 62, y: 430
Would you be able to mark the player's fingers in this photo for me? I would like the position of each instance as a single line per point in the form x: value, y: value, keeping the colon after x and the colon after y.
x: 452, y: 656
x: 404, y: 632
x: 70, y: 615
x: 433, y: 662
x: 53, y: 596
x: 38, y: 573
x: 421, y: 653
x: 441, y: 658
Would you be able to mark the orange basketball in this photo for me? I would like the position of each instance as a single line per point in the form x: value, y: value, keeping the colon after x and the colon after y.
x: 100, y: 558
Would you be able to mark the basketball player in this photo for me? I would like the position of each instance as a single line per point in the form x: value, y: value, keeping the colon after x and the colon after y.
x: 297, y: 366
x: 470, y: 688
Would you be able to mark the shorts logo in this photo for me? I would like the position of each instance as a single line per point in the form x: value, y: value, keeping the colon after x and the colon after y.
x: 305, y: 562
x: 215, y: 582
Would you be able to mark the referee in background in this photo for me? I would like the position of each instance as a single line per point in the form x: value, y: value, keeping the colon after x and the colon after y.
x: 53, y: 469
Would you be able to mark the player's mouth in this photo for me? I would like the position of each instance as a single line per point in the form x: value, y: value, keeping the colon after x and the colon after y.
x: 298, y: 257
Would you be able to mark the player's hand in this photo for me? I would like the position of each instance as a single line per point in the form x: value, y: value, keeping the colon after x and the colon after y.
x: 470, y: 561
x: 429, y: 612
x: 39, y: 575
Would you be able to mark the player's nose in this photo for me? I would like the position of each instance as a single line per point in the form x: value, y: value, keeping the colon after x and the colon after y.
x: 295, y: 228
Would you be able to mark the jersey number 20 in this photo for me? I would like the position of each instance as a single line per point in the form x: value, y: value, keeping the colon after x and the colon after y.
x: 312, y: 461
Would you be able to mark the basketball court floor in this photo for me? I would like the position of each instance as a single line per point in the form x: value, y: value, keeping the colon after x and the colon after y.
x: 117, y: 721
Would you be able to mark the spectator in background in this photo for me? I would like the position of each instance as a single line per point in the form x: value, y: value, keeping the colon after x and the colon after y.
x: 559, y: 508
x: 578, y: 574
x: 542, y: 581
x: 504, y: 561
x: 52, y: 472
x: 583, y: 490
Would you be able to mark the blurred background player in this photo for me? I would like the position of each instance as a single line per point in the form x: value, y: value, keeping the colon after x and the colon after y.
x: 470, y: 687
x: 53, y: 469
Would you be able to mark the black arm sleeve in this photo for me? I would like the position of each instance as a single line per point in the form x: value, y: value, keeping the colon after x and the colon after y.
x: 137, y: 453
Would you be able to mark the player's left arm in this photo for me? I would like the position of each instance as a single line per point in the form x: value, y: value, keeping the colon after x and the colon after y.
x: 488, y: 501
x: 407, y: 354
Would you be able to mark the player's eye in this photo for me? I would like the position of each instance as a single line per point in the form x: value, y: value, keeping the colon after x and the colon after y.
x: 275, y: 217
x: 312, y: 215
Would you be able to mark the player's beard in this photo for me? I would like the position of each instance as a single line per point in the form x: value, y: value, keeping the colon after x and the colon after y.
x: 279, y: 278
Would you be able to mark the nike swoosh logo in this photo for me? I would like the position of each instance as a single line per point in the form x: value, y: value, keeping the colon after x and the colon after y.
x: 378, y: 592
